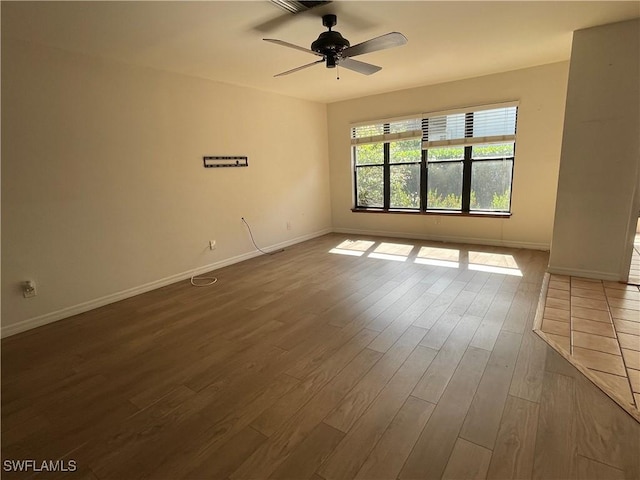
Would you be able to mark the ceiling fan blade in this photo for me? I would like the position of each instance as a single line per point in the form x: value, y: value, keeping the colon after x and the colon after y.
x: 360, y: 67
x: 291, y: 45
x: 293, y: 70
x: 389, y: 40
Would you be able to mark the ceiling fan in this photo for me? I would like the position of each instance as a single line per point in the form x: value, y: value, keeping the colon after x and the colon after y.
x: 336, y: 50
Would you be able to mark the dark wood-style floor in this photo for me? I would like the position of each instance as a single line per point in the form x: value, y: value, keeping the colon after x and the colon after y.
x: 312, y: 364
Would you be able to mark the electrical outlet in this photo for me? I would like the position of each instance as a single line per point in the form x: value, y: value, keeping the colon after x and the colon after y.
x: 288, y: 225
x: 29, y: 289
x: 212, y: 244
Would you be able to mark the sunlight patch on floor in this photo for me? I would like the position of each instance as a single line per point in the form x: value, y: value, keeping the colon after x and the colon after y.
x: 439, y: 257
x: 354, y: 248
x: 436, y: 263
x: 473, y: 260
x: 397, y: 252
x: 491, y: 269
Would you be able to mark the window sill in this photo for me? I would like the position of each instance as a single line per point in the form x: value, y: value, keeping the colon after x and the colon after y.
x: 434, y: 212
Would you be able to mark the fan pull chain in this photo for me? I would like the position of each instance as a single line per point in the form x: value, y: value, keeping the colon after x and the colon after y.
x: 337, y: 72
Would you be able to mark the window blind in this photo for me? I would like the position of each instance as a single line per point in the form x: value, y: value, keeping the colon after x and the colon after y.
x: 472, y: 127
x: 460, y: 127
x: 387, y: 131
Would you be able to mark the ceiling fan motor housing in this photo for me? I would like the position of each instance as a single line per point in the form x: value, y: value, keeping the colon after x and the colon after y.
x: 330, y: 44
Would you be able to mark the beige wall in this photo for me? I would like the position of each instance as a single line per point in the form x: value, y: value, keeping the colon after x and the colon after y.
x: 103, y: 190
x: 598, y: 197
x: 541, y: 92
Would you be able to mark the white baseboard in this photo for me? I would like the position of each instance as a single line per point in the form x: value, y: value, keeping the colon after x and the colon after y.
x: 576, y: 272
x: 66, y: 312
x: 445, y: 238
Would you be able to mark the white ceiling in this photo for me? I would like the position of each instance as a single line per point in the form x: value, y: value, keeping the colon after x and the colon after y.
x: 220, y: 40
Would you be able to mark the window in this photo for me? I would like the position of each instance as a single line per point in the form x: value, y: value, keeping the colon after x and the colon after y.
x: 458, y: 161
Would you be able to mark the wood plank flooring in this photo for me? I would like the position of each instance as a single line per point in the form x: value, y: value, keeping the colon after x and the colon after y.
x: 342, y: 357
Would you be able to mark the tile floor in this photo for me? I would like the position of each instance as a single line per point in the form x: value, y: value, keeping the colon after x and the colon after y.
x: 634, y: 270
x: 596, y: 326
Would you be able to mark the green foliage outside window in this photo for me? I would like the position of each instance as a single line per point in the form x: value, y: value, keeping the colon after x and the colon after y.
x: 500, y: 202
x: 370, y: 187
x: 491, y: 179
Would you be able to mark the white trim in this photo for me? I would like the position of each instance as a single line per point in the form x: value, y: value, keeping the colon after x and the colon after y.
x: 446, y: 238
x: 66, y: 312
x: 577, y: 272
